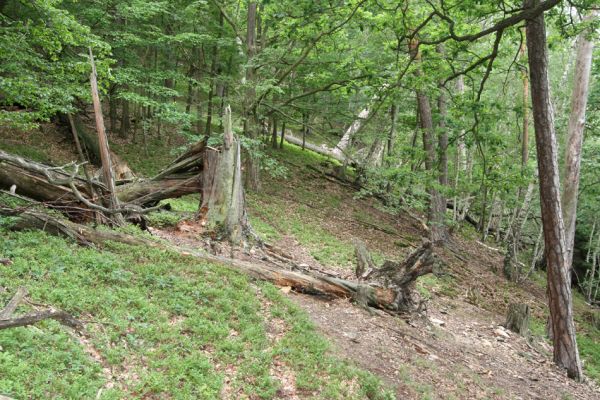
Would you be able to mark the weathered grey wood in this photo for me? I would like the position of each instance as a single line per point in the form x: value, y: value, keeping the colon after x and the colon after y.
x: 517, y: 318
x: 32, y: 318
x: 223, y: 207
x: 12, y: 305
x: 107, y: 171
x: 579, y: 98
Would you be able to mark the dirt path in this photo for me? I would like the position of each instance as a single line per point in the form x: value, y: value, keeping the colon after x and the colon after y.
x: 458, y: 350
x: 463, y: 354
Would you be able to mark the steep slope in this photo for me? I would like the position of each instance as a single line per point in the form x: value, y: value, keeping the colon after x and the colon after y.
x: 457, y: 349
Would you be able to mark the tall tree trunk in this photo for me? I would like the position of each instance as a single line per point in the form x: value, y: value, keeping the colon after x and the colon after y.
x: 525, y: 138
x: 436, y: 209
x: 108, y: 175
x: 274, y: 134
x: 282, y: 135
x: 251, y: 125
x: 566, y: 354
x: 579, y: 97
x: 213, y: 79
x: 390, y: 140
x: 125, y: 121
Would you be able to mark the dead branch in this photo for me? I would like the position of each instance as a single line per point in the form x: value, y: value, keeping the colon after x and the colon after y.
x: 13, y: 303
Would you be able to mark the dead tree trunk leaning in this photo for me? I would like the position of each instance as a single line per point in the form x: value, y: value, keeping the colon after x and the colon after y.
x: 581, y: 84
x: 566, y: 353
x: 89, y: 141
x: 108, y: 176
x: 341, y: 148
x: 223, y: 208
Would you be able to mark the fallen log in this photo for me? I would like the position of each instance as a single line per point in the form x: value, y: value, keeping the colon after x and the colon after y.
x: 51, y: 186
x: 310, y: 283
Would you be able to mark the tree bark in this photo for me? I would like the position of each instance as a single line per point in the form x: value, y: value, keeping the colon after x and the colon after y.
x: 223, y: 208
x: 251, y: 121
x: 282, y: 135
x: 125, y: 120
x: 517, y: 319
x: 341, y: 148
x: 437, y: 208
x: 109, y: 179
x: 579, y: 97
x: 566, y: 354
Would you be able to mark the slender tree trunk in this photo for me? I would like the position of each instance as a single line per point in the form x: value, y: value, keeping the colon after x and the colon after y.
x: 392, y: 134
x: 282, y: 135
x: 213, y: 80
x: 251, y: 124
x: 583, y: 66
x: 108, y: 175
x: 304, y: 129
x: 525, y: 138
x: 112, y: 109
x: 566, y: 354
x: 125, y: 120
x: 435, y: 218
x: 589, y: 249
x: 274, y: 133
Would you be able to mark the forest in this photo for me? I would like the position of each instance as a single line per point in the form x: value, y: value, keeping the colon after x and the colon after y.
x: 328, y: 199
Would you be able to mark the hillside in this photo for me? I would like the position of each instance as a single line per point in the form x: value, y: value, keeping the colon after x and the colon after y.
x: 162, y: 325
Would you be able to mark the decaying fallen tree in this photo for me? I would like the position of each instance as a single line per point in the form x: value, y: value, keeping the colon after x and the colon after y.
x: 400, y: 277
x: 388, y: 288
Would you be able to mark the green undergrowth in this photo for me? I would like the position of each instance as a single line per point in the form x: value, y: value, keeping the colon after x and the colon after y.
x: 272, y: 218
x: 168, y: 326
x: 145, y: 164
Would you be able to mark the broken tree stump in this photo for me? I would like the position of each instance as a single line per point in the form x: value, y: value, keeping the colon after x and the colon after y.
x: 400, y: 277
x: 364, y: 261
x: 517, y: 319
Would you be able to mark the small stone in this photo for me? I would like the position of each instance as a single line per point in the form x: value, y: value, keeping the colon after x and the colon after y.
x: 499, y: 332
x: 303, y: 265
x: 437, y: 322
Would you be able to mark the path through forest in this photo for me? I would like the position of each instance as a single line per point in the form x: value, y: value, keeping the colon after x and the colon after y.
x: 456, y: 349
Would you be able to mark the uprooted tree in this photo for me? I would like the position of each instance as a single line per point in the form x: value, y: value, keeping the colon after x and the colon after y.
x: 215, y: 174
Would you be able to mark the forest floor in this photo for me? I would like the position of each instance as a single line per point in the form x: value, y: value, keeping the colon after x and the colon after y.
x: 457, y: 348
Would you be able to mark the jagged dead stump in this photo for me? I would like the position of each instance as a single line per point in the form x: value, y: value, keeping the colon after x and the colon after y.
x: 517, y: 319
x: 398, y: 276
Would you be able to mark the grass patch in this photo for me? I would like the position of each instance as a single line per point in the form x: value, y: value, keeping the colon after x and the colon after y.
x: 168, y: 326
x: 26, y: 151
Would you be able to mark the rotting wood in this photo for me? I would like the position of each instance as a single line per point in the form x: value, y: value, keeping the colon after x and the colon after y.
x: 32, y: 318
x: 12, y: 305
x: 517, y: 319
x: 385, y: 298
